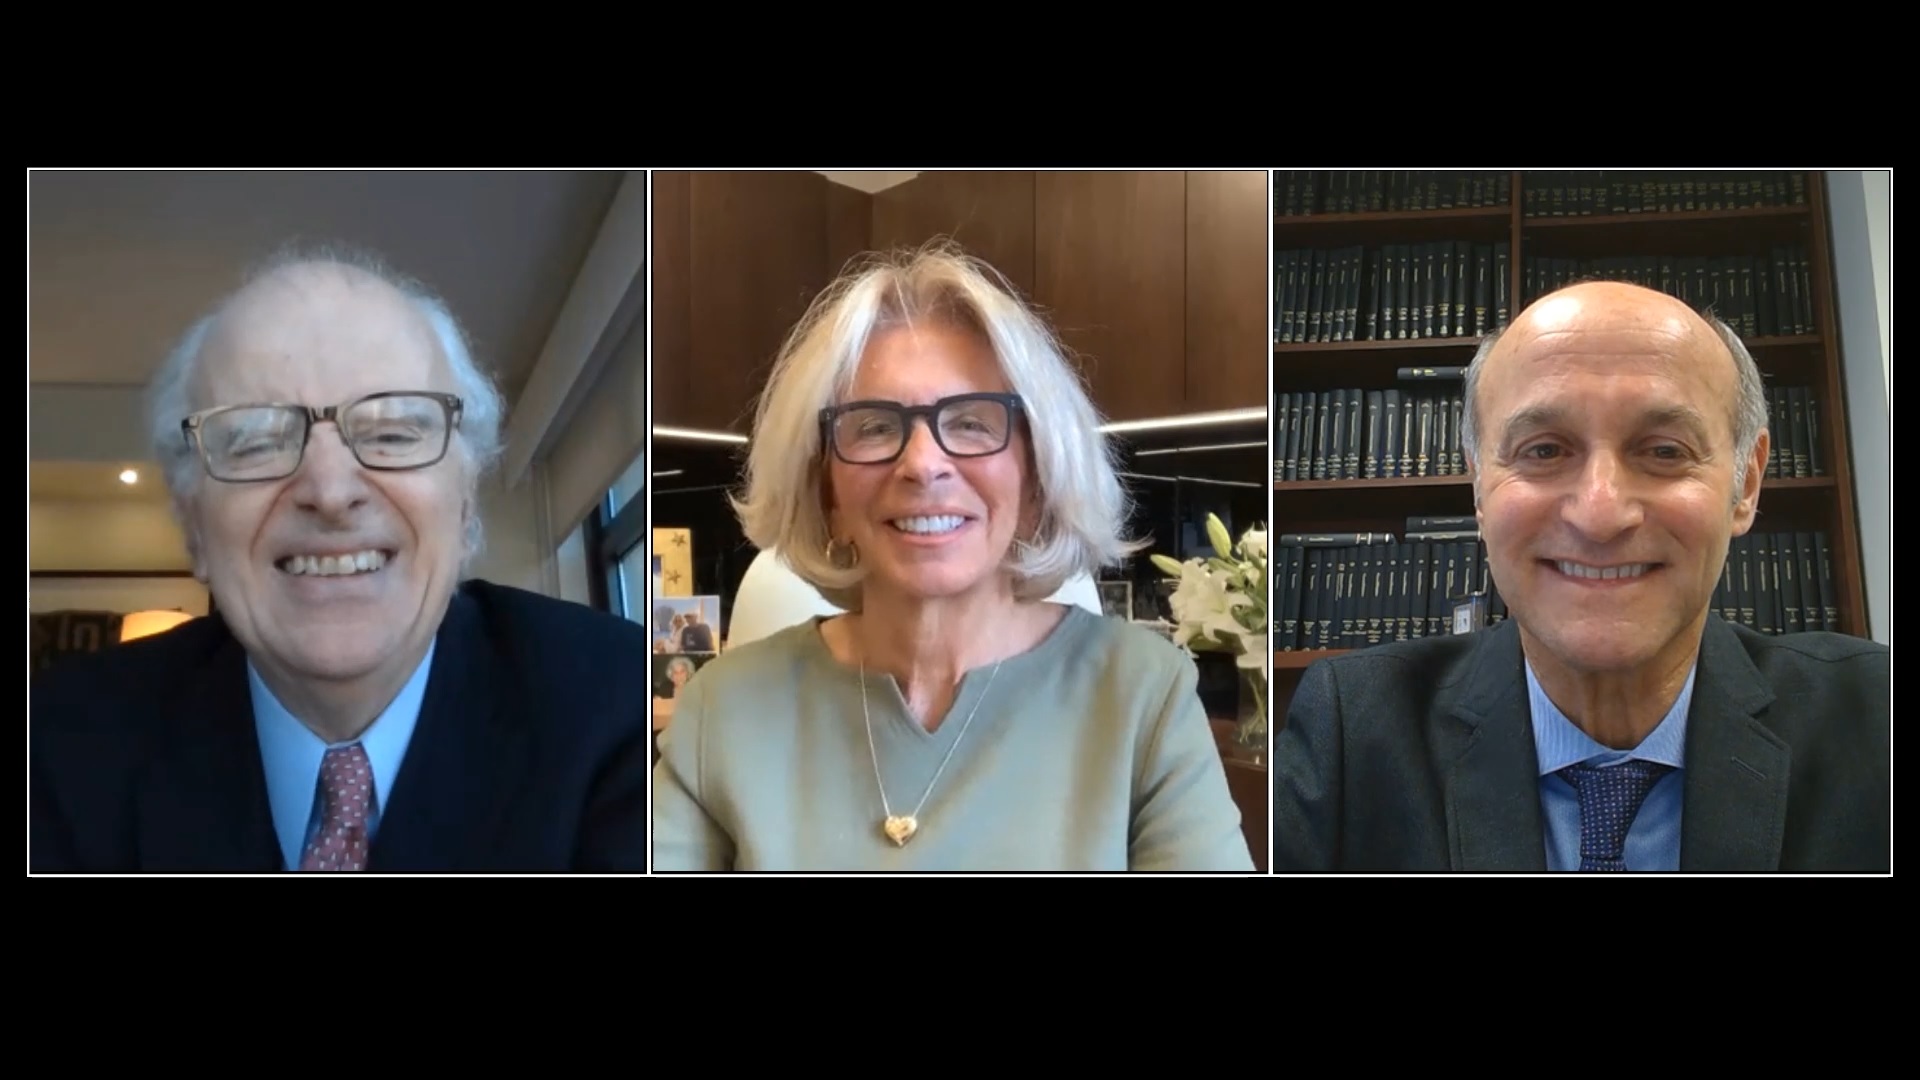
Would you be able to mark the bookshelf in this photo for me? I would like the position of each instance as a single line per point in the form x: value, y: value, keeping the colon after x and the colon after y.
x: 1410, y: 269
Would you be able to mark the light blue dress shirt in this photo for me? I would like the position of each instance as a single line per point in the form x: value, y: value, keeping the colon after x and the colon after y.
x: 292, y: 754
x: 1653, y: 841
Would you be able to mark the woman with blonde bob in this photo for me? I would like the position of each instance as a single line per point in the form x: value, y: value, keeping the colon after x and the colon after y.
x: 925, y: 457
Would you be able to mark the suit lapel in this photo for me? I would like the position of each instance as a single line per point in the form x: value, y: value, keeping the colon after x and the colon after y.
x: 1493, y: 793
x: 467, y: 760
x: 1734, y: 810
x: 201, y: 807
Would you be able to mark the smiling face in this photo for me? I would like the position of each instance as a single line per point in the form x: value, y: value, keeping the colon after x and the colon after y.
x: 1606, y: 490
x: 338, y: 572
x: 929, y: 526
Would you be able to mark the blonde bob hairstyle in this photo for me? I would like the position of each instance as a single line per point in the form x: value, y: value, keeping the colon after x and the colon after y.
x: 1082, y: 507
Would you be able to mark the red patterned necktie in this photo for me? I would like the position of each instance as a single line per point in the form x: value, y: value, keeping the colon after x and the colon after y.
x: 346, y: 793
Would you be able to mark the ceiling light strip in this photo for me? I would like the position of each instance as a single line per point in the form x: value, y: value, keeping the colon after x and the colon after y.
x: 1201, y: 449
x: 698, y: 435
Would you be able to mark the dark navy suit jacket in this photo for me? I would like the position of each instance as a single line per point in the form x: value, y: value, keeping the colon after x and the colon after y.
x: 1419, y: 756
x: 531, y: 752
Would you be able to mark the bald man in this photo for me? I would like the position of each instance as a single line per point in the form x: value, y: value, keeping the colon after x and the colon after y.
x: 356, y: 702
x: 1616, y: 442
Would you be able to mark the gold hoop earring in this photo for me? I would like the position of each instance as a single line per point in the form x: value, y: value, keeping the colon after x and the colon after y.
x: 842, y: 554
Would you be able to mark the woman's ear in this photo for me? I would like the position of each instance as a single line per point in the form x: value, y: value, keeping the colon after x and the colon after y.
x: 828, y: 511
x: 1032, y: 515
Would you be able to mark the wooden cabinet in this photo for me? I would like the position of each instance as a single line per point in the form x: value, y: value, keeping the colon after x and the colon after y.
x: 757, y: 259
x: 738, y: 256
x: 1155, y: 281
x: 990, y: 214
x: 1227, y: 295
x: 670, y: 299
x: 1110, y: 266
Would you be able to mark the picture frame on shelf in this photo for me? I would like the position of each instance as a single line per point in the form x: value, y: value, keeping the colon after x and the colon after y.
x: 687, y: 625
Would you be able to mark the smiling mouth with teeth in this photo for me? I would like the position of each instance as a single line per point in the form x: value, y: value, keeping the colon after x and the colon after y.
x: 932, y: 525
x: 369, y: 561
x: 1603, y: 573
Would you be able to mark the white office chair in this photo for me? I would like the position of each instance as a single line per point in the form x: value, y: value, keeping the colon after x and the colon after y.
x: 773, y: 598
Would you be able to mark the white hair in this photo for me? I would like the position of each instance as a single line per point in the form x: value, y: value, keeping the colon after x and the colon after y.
x: 170, y: 396
x: 1749, y: 416
x: 1083, y: 509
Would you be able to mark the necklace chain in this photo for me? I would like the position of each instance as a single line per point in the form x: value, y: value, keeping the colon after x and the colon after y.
x: 873, y: 748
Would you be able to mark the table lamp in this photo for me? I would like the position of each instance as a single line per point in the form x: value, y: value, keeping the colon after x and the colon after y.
x: 141, y: 624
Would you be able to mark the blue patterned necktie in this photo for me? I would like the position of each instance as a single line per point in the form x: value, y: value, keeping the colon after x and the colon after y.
x: 1609, y: 799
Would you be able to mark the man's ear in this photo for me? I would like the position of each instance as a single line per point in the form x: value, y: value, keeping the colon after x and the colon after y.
x: 1746, y: 501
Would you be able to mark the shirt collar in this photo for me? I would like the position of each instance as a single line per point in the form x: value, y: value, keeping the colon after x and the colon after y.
x: 291, y: 753
x: 1558, y: 742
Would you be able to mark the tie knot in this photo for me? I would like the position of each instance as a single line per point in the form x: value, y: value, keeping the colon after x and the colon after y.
x: 346, y: 784
x: 1610, y: 798
x: 1630, y: 779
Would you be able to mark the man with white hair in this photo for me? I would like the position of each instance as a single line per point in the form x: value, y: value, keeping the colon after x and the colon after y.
x: 352, y: 704
x: 1616, y: 442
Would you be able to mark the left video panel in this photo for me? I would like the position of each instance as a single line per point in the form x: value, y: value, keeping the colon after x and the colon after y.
x: 298, y: 441
x: 941, y: 460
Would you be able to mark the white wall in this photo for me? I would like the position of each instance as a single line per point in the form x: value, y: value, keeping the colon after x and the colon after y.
x: 1861, y: 207
x: 86, y: 423
x: 90, y: 534
x: 515, y: 553
x: 117, y: 594
x: 104, y: 535
x: 573, y: 569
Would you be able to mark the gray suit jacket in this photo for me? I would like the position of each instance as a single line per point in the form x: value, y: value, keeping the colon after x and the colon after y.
x: 1419, y: 756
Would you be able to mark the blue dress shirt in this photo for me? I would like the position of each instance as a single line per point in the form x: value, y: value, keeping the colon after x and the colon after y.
x: 291, y: 754
x: 1653, y: 842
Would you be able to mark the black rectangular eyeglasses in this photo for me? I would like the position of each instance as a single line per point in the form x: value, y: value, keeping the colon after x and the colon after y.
x: 964, y: 426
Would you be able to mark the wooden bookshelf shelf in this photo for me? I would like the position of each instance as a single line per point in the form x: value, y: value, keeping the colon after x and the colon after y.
x: 1301, y: 659
x: 1695, y: 233
x: 1463, y: 344
x: 1785, y: 247
x: 1394, y: 217
x: 1680, y: 218
x: 1482, y: 224
x: 1377, y: 484
x: 1345, y: 349
x: 1771, y: 483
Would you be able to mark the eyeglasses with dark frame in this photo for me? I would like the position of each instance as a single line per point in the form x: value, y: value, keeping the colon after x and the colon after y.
x: 392, y: 431
x: 964, y: 425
